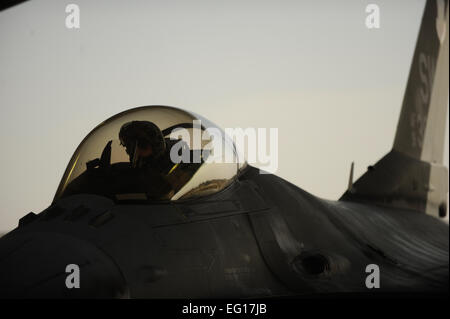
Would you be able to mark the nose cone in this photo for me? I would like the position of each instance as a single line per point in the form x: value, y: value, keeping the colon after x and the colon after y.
x: 35, y: 265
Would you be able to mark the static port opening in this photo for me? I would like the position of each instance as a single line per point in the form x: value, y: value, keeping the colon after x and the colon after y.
x: 315, y: 264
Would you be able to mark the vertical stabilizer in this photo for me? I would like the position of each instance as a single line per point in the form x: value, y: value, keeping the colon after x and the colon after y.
x: 412, y: 175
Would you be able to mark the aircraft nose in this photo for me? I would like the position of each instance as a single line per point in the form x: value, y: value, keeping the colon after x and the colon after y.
x: 45, y: 265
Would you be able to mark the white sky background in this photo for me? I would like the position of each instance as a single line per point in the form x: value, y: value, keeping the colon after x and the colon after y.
x: 311, y: 68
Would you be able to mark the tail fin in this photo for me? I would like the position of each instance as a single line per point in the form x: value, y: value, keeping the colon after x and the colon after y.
x: 412, y: 175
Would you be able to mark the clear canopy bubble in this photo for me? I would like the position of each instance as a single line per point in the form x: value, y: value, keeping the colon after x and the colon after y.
x: 152, y: 153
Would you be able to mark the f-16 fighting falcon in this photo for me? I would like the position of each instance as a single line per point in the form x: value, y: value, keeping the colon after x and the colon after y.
x: 132, y: 222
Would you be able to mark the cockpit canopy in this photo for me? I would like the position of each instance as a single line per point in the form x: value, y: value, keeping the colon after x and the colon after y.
x: 152, y: 153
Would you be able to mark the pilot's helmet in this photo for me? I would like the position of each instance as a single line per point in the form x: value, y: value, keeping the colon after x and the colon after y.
x: 142, y: 134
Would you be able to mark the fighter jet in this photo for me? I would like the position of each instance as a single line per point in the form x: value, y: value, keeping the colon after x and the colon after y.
x: 129, y: 221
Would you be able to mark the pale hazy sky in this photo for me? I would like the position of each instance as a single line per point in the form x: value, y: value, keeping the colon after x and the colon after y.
x: 311, y: 68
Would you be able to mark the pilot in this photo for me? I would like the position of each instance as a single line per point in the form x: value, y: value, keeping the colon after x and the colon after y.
x: 149, y: 153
